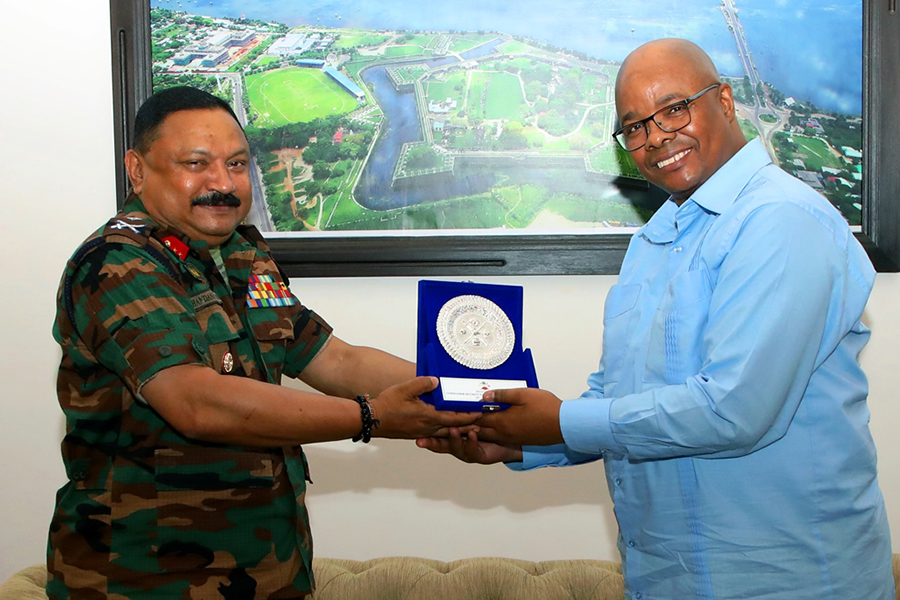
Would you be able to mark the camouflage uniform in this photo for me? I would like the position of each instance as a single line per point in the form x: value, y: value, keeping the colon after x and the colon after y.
x: 147, y: 512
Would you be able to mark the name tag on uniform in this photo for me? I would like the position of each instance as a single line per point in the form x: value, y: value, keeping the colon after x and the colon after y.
x: 264, y: 291
x: 204, y: 299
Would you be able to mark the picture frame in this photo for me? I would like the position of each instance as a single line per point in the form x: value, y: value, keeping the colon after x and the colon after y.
x: 403, y: 253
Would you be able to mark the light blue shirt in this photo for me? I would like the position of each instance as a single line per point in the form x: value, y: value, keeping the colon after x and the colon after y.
x: 729, y: 406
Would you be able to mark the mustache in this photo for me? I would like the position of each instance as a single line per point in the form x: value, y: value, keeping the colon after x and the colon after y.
x: 216, y: 199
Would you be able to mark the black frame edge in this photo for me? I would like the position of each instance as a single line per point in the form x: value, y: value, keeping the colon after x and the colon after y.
x: 881, y: 120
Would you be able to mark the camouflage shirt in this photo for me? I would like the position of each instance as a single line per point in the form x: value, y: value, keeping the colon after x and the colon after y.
x: 147, y: 512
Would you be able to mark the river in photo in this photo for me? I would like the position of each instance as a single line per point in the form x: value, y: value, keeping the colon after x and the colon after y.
x: 471, y: 176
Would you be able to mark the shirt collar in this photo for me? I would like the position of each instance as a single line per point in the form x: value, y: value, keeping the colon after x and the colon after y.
x: 722, y: 189
x: 718, y: 192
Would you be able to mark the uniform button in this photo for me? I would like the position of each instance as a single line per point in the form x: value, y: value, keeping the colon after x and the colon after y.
x: 631, y: 544
x: 638, y: 596
x: 618, y: 481
x: 165, y: 351
x: 200, y: 345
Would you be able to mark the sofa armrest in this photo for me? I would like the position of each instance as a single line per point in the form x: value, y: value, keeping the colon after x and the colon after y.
x: 27, y: 584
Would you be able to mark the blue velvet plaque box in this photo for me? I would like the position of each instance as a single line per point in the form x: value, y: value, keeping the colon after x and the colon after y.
x: 470, y: 338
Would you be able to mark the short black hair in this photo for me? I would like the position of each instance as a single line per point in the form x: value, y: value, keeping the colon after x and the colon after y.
x: 160, y: 105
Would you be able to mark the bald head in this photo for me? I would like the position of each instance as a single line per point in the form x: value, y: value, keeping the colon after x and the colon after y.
x: 665, y: 72
x: 666, y: 52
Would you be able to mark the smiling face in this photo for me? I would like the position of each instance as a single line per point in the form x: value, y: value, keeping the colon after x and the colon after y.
x: 195, y: 174
x: 658, y: 74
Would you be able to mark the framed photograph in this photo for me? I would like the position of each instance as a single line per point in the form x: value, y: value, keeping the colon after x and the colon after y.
x: 474, y: 138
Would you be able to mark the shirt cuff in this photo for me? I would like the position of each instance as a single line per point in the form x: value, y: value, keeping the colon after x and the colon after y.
x: 535, y: 457
x: 585, y: 426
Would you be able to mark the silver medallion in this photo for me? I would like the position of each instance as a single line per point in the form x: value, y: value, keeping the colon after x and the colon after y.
x: 475, y: 332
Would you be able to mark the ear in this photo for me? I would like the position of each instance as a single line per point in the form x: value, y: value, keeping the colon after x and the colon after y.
x: 726, y: 100
x: 134, y: 166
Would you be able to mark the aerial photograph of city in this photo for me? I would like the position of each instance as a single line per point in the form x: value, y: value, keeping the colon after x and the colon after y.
x: 482, y: 116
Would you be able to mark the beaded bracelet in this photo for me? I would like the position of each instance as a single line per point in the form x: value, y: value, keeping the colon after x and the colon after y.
x: 369, y: 422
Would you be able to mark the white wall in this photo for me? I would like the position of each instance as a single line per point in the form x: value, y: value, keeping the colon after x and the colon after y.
x: 387, y: 498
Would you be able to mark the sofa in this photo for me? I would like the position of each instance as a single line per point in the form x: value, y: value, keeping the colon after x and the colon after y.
x: 409, y: 578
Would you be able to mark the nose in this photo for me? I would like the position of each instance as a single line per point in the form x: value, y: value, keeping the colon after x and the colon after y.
x: 220, y: 178
x: 656, y: 135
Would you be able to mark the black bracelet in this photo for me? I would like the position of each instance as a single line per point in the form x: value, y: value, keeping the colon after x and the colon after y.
x: 369, y: 422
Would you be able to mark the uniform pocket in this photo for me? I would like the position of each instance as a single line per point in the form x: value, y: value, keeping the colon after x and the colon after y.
x: 273, y: 330
x: 219, y: 332
x: 214, y: 508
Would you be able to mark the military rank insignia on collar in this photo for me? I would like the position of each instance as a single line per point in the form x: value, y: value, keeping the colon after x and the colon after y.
x: 178, y: 248
x: 264, y: 292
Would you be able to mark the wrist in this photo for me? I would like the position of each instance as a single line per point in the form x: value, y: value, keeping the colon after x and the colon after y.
x: 514, y: 455
x: 367, y: 418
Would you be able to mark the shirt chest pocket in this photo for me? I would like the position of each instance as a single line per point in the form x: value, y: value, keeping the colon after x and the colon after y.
x: 220, y: 334
x: 618, y: 316
x: 675, y: 351
x: 273, y: 330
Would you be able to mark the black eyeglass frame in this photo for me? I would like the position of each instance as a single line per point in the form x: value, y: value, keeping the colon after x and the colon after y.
x: 685, y: 103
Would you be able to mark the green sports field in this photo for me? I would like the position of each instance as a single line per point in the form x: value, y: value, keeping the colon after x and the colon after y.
x: 296, y: 95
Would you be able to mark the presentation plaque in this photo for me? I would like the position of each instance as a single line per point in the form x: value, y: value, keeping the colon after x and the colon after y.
x: 470, y: 338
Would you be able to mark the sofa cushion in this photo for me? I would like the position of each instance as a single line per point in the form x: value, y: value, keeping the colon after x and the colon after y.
x: 481, y: 578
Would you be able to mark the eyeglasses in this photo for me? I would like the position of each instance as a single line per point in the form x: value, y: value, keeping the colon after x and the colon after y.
x: 669, y: 118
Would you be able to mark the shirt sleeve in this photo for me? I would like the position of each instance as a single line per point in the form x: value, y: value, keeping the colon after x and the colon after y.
x: 132, y: 315
x: 774, y: 312
x: 535, y: 457
x: 311, y: 332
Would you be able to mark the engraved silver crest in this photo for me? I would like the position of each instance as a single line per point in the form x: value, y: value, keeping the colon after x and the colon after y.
x: 475, y: 332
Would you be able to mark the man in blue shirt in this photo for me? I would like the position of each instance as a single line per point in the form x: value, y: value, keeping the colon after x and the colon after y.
x: 729, y: 406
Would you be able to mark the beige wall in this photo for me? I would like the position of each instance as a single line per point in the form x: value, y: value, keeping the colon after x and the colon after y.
x: 387, y: 498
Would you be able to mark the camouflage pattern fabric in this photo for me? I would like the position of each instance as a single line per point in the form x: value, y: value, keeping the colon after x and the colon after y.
x: 146, y: 512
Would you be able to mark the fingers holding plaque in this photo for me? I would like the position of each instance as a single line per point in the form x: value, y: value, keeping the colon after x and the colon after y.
x: 469, y: 337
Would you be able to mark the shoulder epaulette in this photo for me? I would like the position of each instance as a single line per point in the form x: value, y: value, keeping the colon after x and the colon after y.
x: 135, y: 230
x: 128, y: 229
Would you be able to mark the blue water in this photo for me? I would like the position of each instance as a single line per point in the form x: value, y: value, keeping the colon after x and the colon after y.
x: 809, y: 49
x: 402, y: 125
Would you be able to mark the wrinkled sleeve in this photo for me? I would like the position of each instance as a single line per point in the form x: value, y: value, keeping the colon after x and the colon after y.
x: 132, y: 314
x: 311, y: 332
x: 770, y: 312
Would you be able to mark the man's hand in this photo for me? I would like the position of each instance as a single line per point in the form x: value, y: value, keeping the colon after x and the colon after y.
x: 401, y: 414
x: 468, y: 448
x: 531, y: 419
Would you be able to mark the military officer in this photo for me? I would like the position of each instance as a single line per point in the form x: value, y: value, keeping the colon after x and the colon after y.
x: 186, y: 476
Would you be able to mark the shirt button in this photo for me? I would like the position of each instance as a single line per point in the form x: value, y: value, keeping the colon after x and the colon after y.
x: 677, y: 249
x: 618, y: 481
x: 200, y: 345
x: 165, y: 351
x: 638, y: 596
x: 631, y: 544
